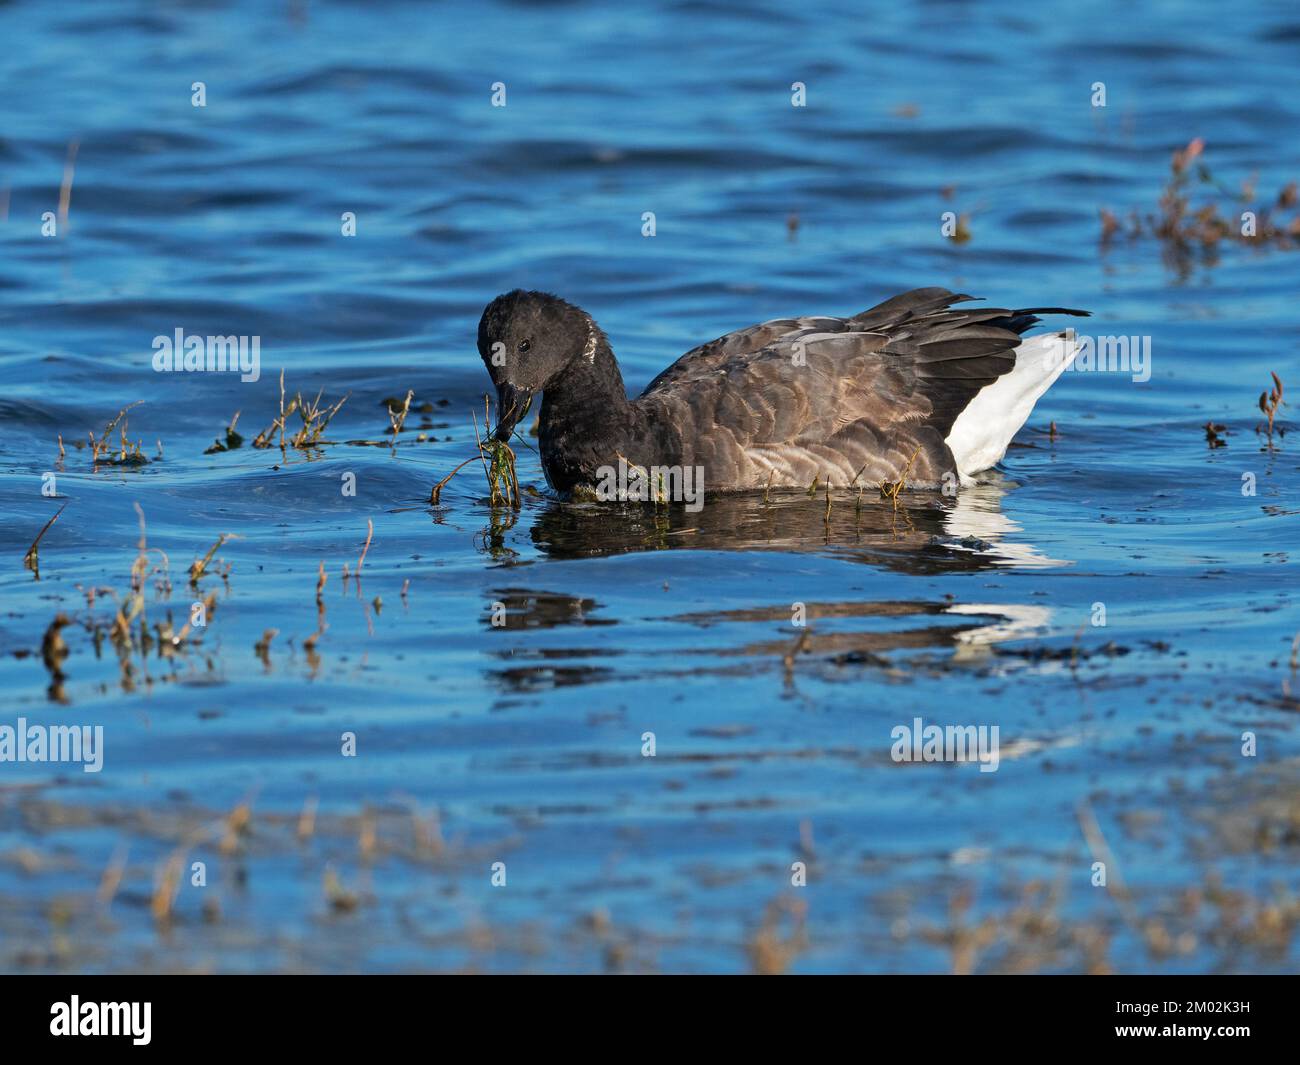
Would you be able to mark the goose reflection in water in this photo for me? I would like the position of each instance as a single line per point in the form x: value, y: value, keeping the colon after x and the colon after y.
x: 927, y: 535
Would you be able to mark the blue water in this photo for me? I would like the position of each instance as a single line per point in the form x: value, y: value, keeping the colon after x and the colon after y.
x: 523, y: 744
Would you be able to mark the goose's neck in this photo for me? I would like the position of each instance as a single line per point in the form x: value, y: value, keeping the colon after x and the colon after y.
x: 586, y: 418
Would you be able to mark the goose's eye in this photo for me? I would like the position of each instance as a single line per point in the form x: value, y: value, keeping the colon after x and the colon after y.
x: 524, y: 345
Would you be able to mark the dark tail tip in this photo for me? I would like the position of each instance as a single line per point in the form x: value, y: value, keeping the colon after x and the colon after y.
x: 1019, y: 321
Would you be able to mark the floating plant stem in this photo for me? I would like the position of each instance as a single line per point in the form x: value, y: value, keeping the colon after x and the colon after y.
x: 891, y: 490
x: 200, y: 565
x: 1270, y: 401
x: 370, y: 532
x: 398, y: 417
x: 65, y: 187
x: 435, y: 493
x: 32, y: 559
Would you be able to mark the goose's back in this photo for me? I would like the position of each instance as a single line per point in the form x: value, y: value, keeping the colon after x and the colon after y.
x: 839, y: 399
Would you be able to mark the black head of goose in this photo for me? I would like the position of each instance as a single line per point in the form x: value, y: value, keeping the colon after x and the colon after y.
x: 910, y: 389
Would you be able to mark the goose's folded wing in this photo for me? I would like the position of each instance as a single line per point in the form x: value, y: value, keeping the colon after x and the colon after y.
x: 800, y: 394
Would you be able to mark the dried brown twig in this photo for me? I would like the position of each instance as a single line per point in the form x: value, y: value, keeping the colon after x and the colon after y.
x: 200, y: 565
x: 1270, y: 401
x: 315, y: 419
x: 1184, y: 228
x: 397, y: 418
x: 891, y: 490
x: 32, y: 559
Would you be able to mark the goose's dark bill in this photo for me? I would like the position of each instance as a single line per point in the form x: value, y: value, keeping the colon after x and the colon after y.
x: 512, y: 405
x: 915, y: 389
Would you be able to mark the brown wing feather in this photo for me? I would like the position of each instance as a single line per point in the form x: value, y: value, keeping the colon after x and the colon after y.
x: 873, y: 392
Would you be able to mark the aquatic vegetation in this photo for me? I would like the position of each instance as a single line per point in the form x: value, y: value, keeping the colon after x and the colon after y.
x: 262, y: 648
x: 498, y: 460
x: 1269, y: 401
x: 232, y: 439
x: 65, y: 186
x: 32, y: 559
x: 103, y: 451
x: 126, y: 627
x: 53, y: 648
x: 1186, y: 227
x: 339, y: 898
x: 435, y: 493
x: 307, y: 819
x: 314, y: 417
x: 891, y: 490
x: 200, y: 565
x: 772, y: 951
x: 962, y: 234
x: 370, y: 532
x: 397, y: 415
x: 166, y: 885
x: 237, y: 825
x: 498, y: 467
x: 398, y: 411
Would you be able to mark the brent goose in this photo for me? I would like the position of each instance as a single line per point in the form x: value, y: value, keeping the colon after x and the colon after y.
x: 911, y: 389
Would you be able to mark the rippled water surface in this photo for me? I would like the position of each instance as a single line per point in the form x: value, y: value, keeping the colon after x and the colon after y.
x: 524, y: 743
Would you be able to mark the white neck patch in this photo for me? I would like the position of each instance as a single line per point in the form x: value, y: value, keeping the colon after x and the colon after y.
x: 589, y: 352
